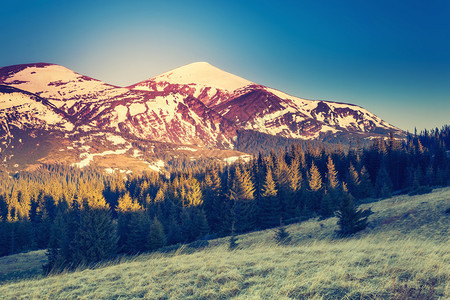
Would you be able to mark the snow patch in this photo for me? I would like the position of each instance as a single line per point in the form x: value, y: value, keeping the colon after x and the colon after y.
x: 156, y: 165
x: 186, y: 149
x: 116, y: 140
x: 88, y: 157
x: 233, y: 159
x: 137, y: 108
x: 121, y: 113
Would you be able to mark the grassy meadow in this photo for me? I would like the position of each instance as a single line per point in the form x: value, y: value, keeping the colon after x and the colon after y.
x: 403, y: 254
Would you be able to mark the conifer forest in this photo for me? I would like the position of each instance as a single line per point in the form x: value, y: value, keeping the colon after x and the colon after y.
x: 84, y: 216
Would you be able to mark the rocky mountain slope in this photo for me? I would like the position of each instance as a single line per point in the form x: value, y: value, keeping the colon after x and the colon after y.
x: 197, y: 105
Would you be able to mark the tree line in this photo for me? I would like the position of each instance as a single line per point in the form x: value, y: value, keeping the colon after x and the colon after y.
x: 83, y: 216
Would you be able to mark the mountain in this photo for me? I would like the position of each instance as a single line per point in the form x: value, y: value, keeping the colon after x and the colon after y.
x: 200, y: 80
x: 256, y: 107
x: 197, y: 106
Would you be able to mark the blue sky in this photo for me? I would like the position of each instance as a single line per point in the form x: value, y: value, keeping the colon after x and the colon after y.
x: 391, y: 57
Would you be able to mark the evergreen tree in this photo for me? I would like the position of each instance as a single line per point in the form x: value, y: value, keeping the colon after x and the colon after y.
x: 365, y: 187
x: 127, y: 204
x: 187, y: 226
x: 4, y: 238
x: 244, y: 207
x: 96, y: 238
x: 269, y: 207
x: 156, y: 237
x: 213, y: 200
x: 56, y: 260
x: 315, y: 188
x: 194, y: 195
x: 330, y: 199
x: 174, y: 232
x: 314, y: 178
x: 138, y: 230
x: 294, y: 184
x: 201, y: 224
x: 96, y: 200
x: 353, y: 180
x: 43, y: 222
x: 383, y: 184
x: 351, y: 219
x: 333, y: 181
x: 232, y: 243
x: 282, y: 237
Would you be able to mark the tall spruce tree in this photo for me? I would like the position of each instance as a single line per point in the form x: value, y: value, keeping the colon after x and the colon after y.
x: 330, y: 199
x: 244, y: 207
x: 96, y: 238
x: 269, y: 206
x: 383, y: 183
x: 137, y: 232
x: 213, y: 200
x: 156, y: 236
x: 314, y: 178
x: 315, y: 188
x: 351, y: 219
x: 365, y: 187
x: 194, y: 195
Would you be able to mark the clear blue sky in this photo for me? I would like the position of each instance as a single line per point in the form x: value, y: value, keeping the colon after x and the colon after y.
x: 391, y: 57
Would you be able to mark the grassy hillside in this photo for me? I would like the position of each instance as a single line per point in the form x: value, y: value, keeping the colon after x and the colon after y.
x: 404, y: 254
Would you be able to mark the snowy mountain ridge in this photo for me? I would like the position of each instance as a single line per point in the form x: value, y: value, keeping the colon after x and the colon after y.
x: 195, y: 105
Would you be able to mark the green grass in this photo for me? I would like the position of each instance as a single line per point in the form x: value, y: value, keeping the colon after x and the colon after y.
x: 403, y: 255
x: 22, y: 265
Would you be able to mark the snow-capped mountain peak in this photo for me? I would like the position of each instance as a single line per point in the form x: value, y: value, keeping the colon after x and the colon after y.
x: 199, y: 73
x: 54, y: 82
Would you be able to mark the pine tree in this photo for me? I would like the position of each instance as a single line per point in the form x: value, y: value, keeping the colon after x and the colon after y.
x: 383, y: 184
x: 269, y: 206
x: 232, y: 242
x: 350, y: 218
x: 282, y: 237
x: 291, y: 190
x: 213, y: 200
x: 127, y: 204
x: 43, y: 221
x: 174, y: 232
x: 96, y: 238
x: 244, y: 207
x: 187, y: 226
x: 4, y: 238
x: 201, y: 224
x: 330, y: 199
x: 365, y: 187
x: 315, y: 188
x: 95, y: 200
x: 333, y: 181
x: 138, y: 229
x: 353, y: 180
x: 315, y: 179
x: 194, y: 195
x: 56, y: 260
x: 160, y: 195
x: 328, y: 203
x: 156, y: 237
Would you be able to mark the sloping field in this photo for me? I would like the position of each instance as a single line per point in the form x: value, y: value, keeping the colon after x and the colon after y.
x: 404, y: 254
